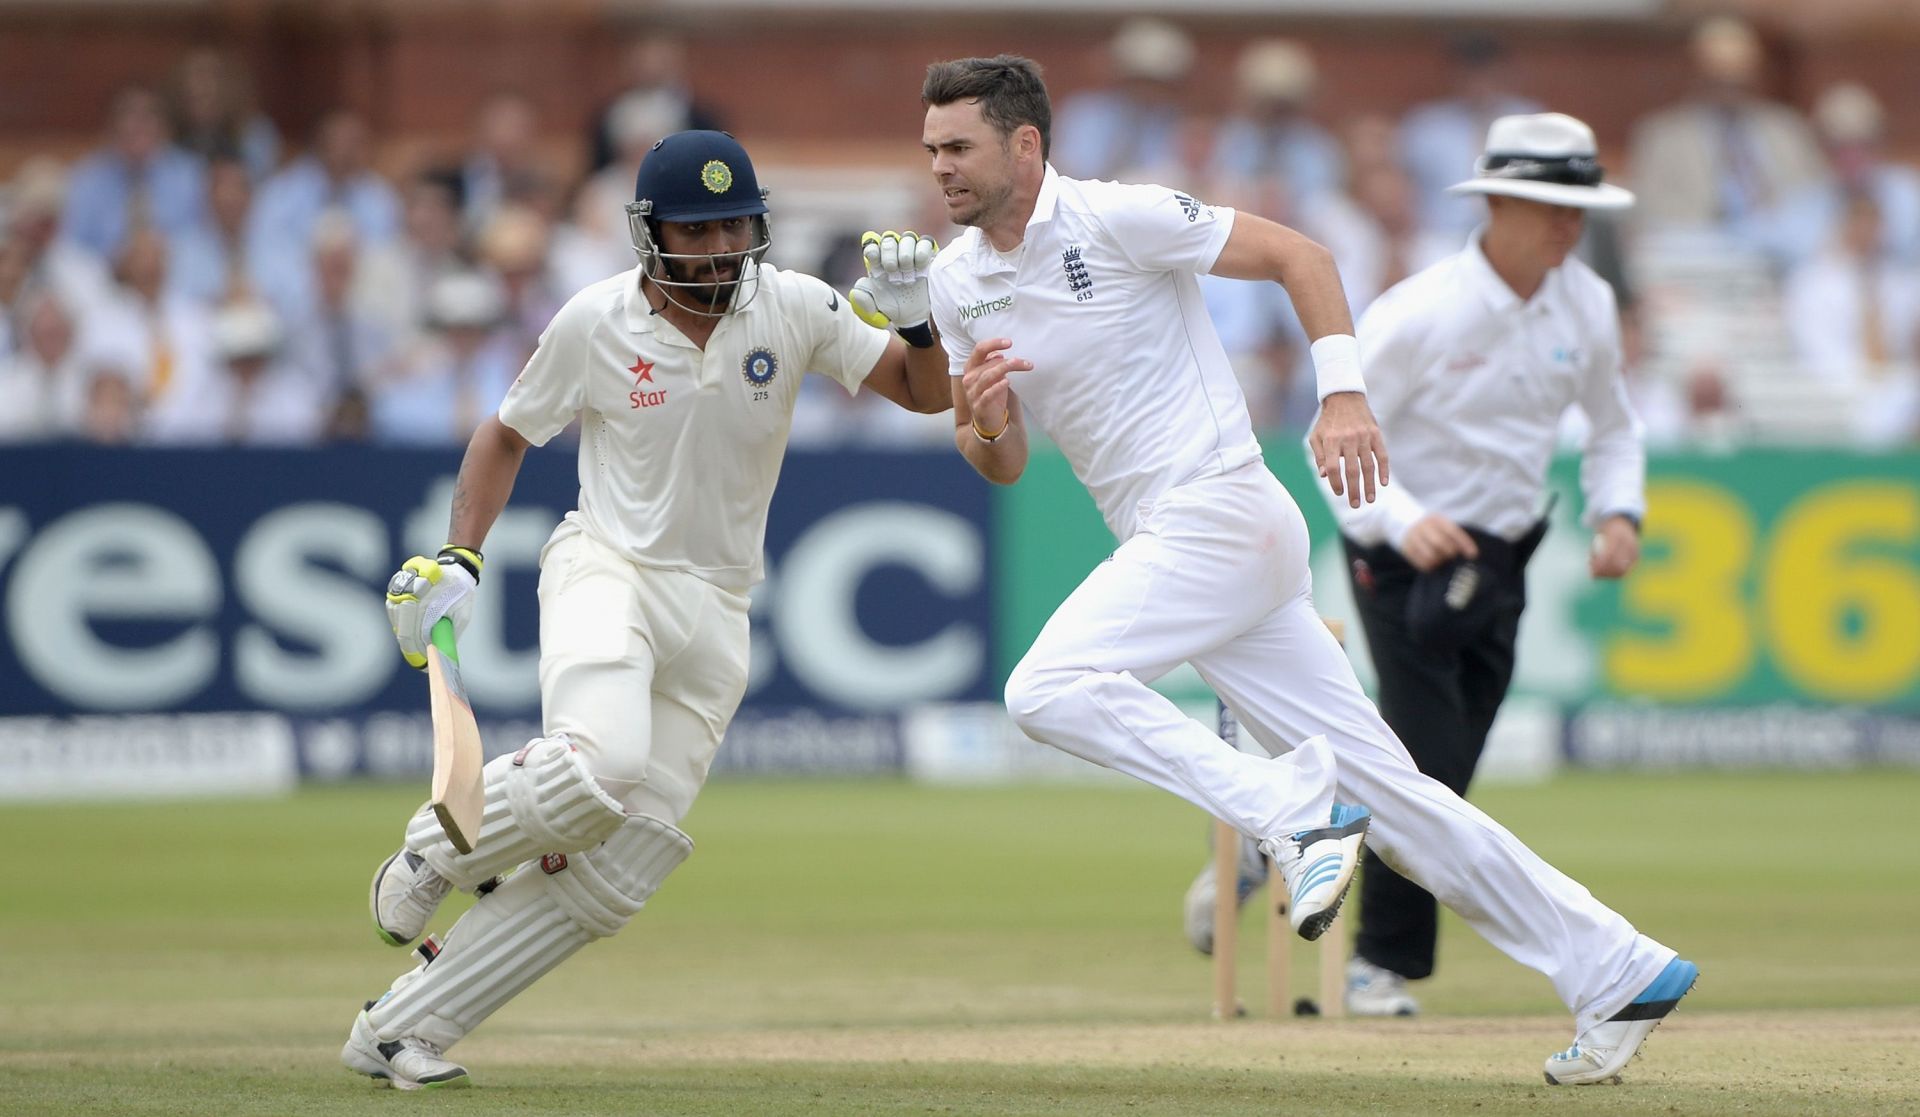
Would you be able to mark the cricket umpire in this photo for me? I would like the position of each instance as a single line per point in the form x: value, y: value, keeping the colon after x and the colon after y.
x: 1469, y: 366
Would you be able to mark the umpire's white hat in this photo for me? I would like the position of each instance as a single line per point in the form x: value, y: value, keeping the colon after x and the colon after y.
x: 1544, y: 157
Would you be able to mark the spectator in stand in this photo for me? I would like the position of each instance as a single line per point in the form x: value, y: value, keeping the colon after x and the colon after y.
x: 395, y: 278
x: 1134, y: 122
x: 351, y: 419
x: 514, y: 246
x: 1852, y: 126
x: 255, y: 396
x: 1270, y: 136
x: 1716, y: 423
x: 1373, y: 227
x: 210, y: 102
x: 344, y: 337
x: 1375, y: 233
x: 1189, y: 166
x: 46, y: 262
x: 597, y: 242
x: 210, y: 262
x: 1440, y: 140
x: 1370, y: 140
x: 505, y: 159
x: 40, y: 376
x: 110, y: 413
x: 161, y: 338
x: 656, y: 74
x: 1729, y: 160
x: 15, y: 298
x: 1854, y: 313
x: 138, y: 178
x: 456, y: 378
x: 336, y: 174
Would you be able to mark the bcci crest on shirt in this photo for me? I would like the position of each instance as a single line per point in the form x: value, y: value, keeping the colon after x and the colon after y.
x: 760, y: 366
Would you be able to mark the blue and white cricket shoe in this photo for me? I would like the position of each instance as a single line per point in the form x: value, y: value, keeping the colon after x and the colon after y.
x: 1606, y: 1048
x: 1318, y: 866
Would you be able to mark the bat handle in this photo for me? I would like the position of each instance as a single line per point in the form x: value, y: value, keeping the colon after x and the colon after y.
x: 443, y: 639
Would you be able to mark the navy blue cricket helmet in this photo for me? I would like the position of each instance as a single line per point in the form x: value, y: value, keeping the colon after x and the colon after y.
x: 698, y: 176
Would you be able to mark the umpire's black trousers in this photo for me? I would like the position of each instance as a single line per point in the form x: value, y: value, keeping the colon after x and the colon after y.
x: 1441, y: 706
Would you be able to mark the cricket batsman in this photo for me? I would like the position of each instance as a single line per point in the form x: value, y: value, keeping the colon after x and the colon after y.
x: 682, y: 374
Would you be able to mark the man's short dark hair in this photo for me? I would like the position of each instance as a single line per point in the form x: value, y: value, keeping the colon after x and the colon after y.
x: 1007, y: 86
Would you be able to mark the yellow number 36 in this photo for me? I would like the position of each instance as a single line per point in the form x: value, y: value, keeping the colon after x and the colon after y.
x: 1837, y: 595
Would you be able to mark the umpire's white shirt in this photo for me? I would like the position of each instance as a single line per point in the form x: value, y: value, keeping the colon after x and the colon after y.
x: 1129, y: 378
x: 680, y: 447
x: 1468, y: 384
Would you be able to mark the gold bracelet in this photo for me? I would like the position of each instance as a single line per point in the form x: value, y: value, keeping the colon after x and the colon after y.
x: 983, y: 435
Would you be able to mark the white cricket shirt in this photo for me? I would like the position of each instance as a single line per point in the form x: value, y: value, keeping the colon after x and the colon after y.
x: 1468, y: 384
x: 1129, y: 378
x: 680, y: 448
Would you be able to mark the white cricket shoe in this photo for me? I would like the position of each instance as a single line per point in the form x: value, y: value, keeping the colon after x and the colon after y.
x: 1377, y: 991
x: 405, y: 894
x: 1318, y: 866
x: 1199, y: 902
x: 1604, y: 1050
x: 405, y: 1064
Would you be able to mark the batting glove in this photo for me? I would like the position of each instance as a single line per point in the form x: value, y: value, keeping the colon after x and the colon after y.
x: 423, y: 591
x: 894, y: 291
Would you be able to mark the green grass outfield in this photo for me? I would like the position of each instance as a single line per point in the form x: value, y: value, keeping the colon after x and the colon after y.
x: 852, y: 948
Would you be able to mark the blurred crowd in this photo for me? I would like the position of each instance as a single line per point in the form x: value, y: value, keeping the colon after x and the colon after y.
x: 203, y: 278
x: 192, y: 281
x: 1768, y: 276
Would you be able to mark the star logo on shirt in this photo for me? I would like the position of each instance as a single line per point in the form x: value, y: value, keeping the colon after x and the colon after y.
x: 642, y: 397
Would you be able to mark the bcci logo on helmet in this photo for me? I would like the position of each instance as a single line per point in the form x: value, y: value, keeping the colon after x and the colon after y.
x: 716, y: 176
x: 760, y: 366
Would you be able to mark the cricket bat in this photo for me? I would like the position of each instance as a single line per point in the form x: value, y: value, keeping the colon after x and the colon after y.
x: 458, y: 800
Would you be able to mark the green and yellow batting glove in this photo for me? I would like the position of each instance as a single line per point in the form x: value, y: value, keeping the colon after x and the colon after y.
x: 425, y: 589
x: 894, y: 292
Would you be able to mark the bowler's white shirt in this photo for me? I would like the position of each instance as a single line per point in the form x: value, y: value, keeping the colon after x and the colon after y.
x: 1468, y: 384
x: 680, y: 448
x: 1129, y: 378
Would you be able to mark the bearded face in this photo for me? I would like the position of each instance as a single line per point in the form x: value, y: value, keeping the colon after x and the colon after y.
x: 699, y: 265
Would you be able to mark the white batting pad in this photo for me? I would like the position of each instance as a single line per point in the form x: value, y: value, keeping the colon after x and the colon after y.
x: 542, y: 799
x: 521, y: 930
x: 603, y: 888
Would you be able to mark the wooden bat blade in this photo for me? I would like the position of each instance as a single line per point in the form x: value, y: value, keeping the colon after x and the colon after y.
x: 458, y: 799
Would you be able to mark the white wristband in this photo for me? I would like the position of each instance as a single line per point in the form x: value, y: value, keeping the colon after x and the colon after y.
x: 1336, y: 365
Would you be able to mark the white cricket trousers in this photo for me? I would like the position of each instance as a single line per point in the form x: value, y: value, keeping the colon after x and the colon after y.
x: 641, y: 668
x: 1217, y: 576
